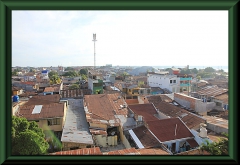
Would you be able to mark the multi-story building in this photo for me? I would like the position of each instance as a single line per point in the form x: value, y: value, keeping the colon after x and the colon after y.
x: 95, y: 82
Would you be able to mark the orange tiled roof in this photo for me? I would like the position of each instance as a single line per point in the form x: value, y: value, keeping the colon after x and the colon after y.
x: 83, y: 151
x: 47, y: 111
x: 145, y: 110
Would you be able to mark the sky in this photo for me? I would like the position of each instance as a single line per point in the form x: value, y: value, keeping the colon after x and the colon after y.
x: 124, y: 38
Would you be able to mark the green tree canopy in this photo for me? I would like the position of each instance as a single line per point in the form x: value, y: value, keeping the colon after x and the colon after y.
x: 209, y: 69
x: 27, y: 138
x: 194, y: 70
x: 69, y: 69
x: 84, y: 77
x: 217, y: 148
x: 52, y: 73
x: 71, y: 74
x: 74, y: 86
x: 185, y: 71
x: 83, y: 72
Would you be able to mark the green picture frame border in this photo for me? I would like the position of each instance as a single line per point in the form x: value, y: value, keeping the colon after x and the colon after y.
x: 6, y: 7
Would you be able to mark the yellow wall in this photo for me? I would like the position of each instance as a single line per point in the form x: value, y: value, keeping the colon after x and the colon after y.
x: 44, y: 125
x: 124, y: 139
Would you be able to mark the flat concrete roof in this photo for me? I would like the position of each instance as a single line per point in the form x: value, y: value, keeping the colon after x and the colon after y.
x: 76, y: 129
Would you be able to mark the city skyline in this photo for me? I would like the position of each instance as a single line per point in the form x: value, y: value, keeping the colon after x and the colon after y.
x: 124, y: 38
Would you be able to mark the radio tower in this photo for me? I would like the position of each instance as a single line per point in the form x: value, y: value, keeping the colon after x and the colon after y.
x: 94, y: 39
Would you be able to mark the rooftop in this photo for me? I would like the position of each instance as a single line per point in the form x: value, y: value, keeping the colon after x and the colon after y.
x: 83, y: 151
x: 212, y: 90
x: 146, y: 110
x: 76, y: 127
x: 171, y: 129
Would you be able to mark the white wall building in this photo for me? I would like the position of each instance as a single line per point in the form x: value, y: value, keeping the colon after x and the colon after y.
x: 170, y: 82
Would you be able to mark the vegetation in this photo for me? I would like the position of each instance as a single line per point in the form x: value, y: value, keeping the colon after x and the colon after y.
x: 71, y: 74
x: 69, y: 69
x: 74, y: 86
x: 54, y: 78
x: 209, y: 70
x: 84, y: 77
x: 83, y: 72
x: 14, y: 73
x: 140, y: 83
x: 217, y: 148
x: 27, y: 138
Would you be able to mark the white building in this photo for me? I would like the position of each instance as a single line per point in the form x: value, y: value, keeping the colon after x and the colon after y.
x: 170, y: 82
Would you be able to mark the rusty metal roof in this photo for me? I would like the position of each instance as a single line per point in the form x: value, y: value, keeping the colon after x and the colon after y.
x: 131, y: 101
x: 212, y: 90
x: 146, y: 110
x: 145, y: 137
x: 102, y: 108
x: 83, y: 151
x: 53, y: 110
x: 133, y: 151
x: 191, y: 120
x: 169, y: 129
x: 43, y: 99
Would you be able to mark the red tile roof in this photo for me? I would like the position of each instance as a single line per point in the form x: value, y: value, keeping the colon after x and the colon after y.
x: 83, y: 151
x: 131, y: 101
x: 165, y: 129
x: 188, y: 118
x: 29, y: 83
x: 133, y: 151
x: 43, y: 99
x: 52, y: 89
x: 192, y: 143
x: 145, y: 137
x: 52, y: 110
x: 223, y: 97
x: 146, y: 110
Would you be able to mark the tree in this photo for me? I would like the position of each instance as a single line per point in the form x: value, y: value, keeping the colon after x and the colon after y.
x: 71, y: 74
x: 209, y: 69
x: 194, y: 70
x: 198, y: 78
x: 69, y: 69
x: 216, y: 148
x: 74, y: 86
x: 83, y: 72
x: 27, y: 138
x: 84, y: 77
x: 185, y: 71
x: 55, y: 79
x: 140, y: 83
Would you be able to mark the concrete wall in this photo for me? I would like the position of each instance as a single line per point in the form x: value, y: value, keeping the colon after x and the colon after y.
x: 124, y: 139
x: 162, y: 116
x: 185, y: 100
x: 163, y: 81
x: 203, y: 107
x: 216, y: 128
x: 104, y: 126
x: 68, y: 145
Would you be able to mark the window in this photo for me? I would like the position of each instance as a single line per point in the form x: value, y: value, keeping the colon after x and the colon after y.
x: 174, y: 81
x: 170, y: 81
x: 55, y: 121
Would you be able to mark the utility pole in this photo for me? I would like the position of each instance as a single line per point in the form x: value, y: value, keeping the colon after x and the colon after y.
x: 94, y: 39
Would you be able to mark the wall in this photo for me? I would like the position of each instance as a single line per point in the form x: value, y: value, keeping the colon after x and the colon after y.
x: 44, y: 125
x: 162, y: 116
x: 124, y: 139
x: 90, y: 84
x: 216, y: 128
x: 68, y: 145
x: 203, y: 107
x: 163, y: 81
x: 185, y: 100
x: 96, y: 125
x: 101, y: 140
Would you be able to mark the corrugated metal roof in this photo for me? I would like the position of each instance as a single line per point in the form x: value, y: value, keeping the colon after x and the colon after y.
x: 135, y: 138
x: 83, y: 151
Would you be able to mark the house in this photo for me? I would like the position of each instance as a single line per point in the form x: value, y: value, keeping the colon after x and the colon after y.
x: 166, y: 110
x: 54, y: 89
x: 30, y: 76
x: 48, y: 116
x: 170, y: 82
x: 95, y: 82
x: 143, y: 113
x: 47, y: 111
x: 102, y: 114
x: 173, y: 134
x: 27, y: 86
x: 185, y: 82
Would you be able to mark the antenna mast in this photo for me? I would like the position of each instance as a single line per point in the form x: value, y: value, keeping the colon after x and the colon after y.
x: 94, y: 39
